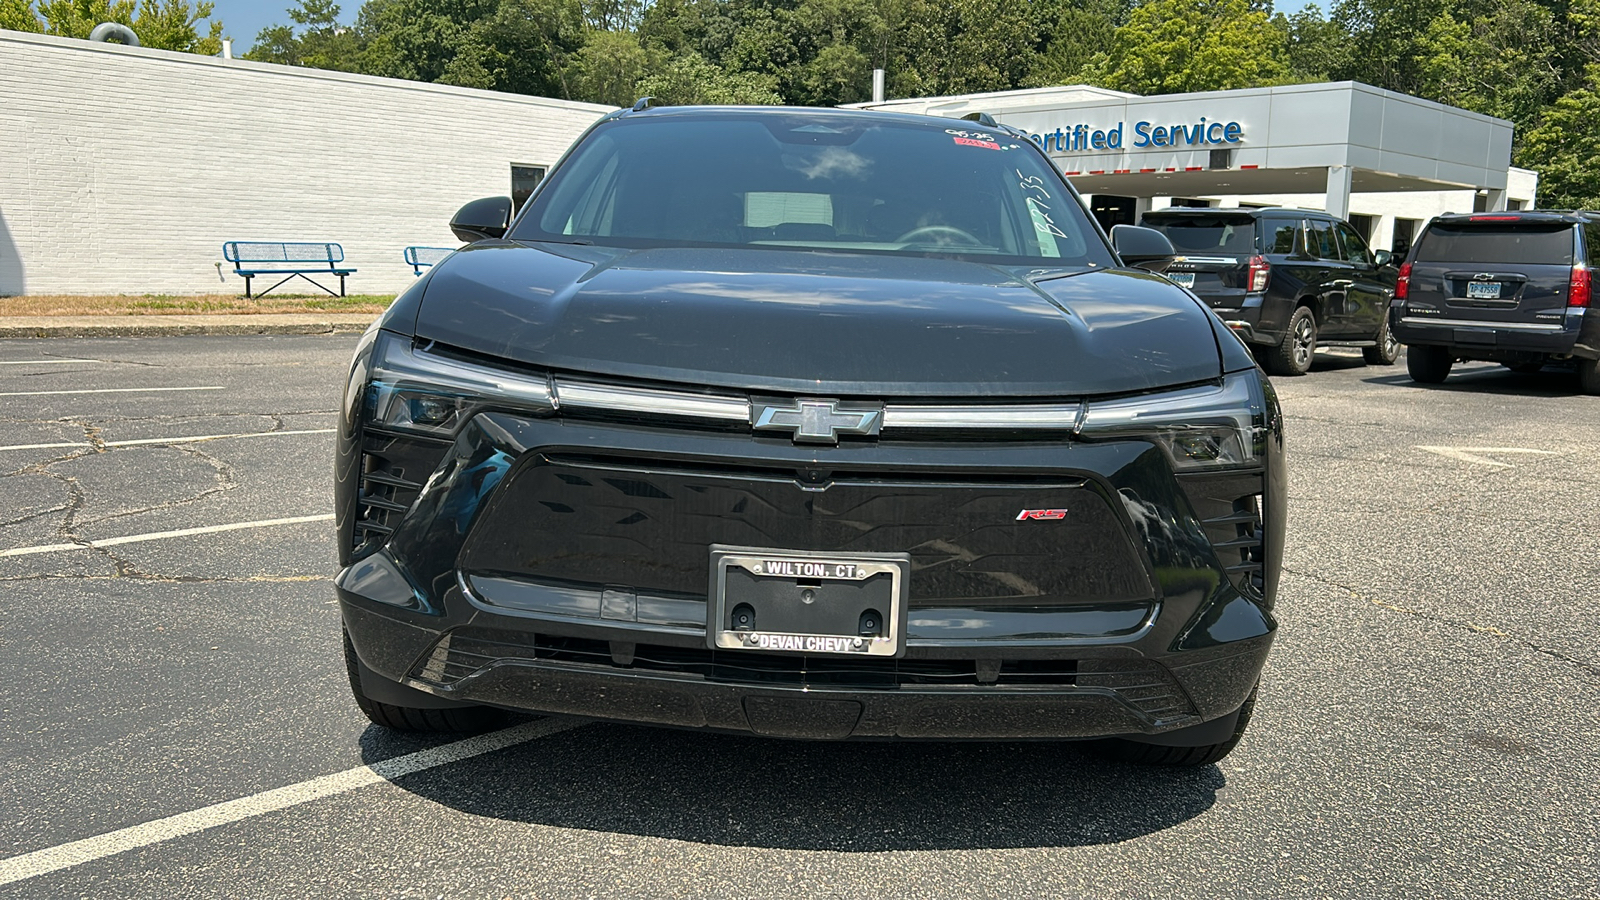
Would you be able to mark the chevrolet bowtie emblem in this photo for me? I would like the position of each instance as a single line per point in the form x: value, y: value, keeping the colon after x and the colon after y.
x: 816, y: 421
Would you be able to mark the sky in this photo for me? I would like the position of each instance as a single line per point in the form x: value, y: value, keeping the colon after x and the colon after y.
x: 242, y: 20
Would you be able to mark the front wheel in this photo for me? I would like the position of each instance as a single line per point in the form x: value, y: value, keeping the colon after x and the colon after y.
x: 1428, y: 364
x: 1387, y: 349
x: 1293, y: 356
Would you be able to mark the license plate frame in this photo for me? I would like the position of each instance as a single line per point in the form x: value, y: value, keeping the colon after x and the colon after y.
x: 1483, y: 290
x: 1181, y: 279
x: 843, y: 588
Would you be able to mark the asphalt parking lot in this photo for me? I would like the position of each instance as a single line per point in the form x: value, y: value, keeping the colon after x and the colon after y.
x: 177, y: 721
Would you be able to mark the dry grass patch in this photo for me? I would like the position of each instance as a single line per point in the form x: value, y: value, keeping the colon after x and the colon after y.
x: 189, y: 304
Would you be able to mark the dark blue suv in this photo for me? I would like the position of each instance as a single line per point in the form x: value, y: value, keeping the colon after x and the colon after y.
x: 1507, y: 287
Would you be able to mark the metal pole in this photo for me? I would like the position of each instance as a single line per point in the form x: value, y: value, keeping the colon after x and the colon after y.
x: 877, y: 85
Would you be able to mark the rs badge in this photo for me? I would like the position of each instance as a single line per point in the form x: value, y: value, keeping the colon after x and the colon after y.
x: 1041, y: 514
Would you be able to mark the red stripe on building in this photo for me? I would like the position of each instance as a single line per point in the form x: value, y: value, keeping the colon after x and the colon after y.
x: 1192, y: 168
x: 1147, y: 170
x: 1249, y: 167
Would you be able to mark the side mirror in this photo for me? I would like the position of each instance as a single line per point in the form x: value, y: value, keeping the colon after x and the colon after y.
x: 1142, y: 248
x: 1383, y: 258
x: 482, y: 220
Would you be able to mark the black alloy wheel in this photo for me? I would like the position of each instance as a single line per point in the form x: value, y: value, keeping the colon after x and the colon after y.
x: 1387, y: 349
x: 1429, y: 364
x: 1294, y: 355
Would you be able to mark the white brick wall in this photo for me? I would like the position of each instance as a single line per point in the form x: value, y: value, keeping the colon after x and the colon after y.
x: 122, y: 170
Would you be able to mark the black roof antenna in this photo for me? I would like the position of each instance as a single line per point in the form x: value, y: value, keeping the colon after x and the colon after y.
x: 644, y: 103
x: 982, y: 118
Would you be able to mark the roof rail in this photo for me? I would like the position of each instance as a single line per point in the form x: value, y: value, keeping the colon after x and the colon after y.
x: 982, y: 118
x: 644, y: 103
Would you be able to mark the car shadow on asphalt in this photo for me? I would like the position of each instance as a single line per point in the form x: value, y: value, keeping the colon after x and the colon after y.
x: 1491, y: 379
x: 842, y: 796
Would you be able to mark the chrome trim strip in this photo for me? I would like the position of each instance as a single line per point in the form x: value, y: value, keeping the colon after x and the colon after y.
x: 650, y: 401
x: 1036, y: 417
x: 1229, y: 260
x: 1473, y: 323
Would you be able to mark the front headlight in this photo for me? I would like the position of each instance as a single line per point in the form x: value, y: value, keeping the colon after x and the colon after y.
x: 1213, y: 426
x: 411, y: 390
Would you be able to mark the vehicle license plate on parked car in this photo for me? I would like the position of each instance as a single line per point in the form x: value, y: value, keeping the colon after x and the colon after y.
x: 1483, y: 290
x: 806, y: 602
x: 1181, y: 279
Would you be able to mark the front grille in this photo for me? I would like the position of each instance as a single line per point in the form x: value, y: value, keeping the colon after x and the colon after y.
x: 465, y: 651
x: 647, y: 524
x: 393, y: 471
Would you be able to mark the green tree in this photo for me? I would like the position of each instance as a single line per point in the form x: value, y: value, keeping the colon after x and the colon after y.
x: 1565, y: 149
x: 1173, y: 46
x: 1315, y: 46
x: 162, y: 24
x: 689, y: 78
x: 962, y: 46
x: 519, y: 46
x: 1081, y: 30
x: 320, y: 43
x: 607, y: 69
x: 17, y: 15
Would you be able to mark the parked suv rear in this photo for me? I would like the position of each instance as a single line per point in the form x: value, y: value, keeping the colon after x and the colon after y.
x: 1513, y: 288
x: 1285, y: 280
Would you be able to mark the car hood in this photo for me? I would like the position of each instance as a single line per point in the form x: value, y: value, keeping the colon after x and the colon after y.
x: 819, y: 323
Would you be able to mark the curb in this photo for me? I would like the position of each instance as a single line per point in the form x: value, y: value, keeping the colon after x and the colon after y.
x: 161, y: 326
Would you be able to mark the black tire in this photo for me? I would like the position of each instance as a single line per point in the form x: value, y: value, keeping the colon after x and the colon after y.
x: 1589, y: 376
x: 1293, y: 356
x: 407, y: 718
x: 1387, y: 350
x: 1429, y: 364
x: 1137, y: 753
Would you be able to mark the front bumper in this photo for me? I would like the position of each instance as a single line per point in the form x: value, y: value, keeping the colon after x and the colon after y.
x: 1095, y: 694
x: 477, y: 592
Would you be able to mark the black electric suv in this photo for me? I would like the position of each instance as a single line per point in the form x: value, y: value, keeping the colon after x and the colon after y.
x: 1286, y: 280
x: 811, y: 424
x: 1508, y: 287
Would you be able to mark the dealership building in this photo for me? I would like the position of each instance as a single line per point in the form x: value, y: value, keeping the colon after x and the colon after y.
x: 124, y: 169
x: 1388, y: 162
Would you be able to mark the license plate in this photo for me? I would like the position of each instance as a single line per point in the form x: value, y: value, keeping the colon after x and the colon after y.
x: 1181, y: 279
x: 806, y: 602
x: 1483, y: 290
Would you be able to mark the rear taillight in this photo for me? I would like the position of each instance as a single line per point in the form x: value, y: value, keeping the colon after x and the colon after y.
x: 1578, y: 293
x: 1260, y: 273
x: 1402, y: 285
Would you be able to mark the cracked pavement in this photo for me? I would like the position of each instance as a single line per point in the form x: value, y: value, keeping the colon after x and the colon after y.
x: 1426, y: 725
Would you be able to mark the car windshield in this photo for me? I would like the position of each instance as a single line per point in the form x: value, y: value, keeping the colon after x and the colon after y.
x: 1534, y: 243
x: 1232, y: 235
x: 814, y: 181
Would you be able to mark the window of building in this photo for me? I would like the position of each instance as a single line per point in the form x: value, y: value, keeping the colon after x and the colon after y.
x: 523, y: 180
x: 1363, y: 225
x: 1405, y: 232
x: 1190, y: 203
x: 1514, y: 205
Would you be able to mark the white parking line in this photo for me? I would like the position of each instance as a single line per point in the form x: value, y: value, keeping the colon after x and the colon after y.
x: 35, y: 362
x: 161, y: 535
x: 191, y: 439
x: 149, y: 390
x: 65, y: 856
